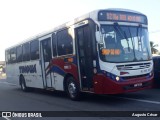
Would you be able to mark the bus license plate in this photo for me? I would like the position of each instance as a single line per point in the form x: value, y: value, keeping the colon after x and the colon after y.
x: 138, y: 85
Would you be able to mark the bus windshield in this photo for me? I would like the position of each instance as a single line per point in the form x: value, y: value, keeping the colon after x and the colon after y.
x: 124, y: 44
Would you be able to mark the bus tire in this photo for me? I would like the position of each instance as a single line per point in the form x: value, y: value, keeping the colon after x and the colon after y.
x: 23, y: 84
x: 72, y: 89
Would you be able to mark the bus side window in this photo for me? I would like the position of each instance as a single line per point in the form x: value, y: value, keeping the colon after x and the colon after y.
x: 19, y: 53
x: 54, y: 44
x: 34, y: 49
x: 65, y: 42
x: 26, y: 52
x: 47, y: 49
x: 8, y: 57
x: 13, y: 55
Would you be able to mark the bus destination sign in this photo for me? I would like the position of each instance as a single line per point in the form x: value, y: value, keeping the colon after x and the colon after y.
x: 121, y: 17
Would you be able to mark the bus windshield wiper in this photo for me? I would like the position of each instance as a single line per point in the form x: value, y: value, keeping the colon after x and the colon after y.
x: 132, y: 44
x: 123, y: 35
x: 119, y: 30
x: 139, y: 39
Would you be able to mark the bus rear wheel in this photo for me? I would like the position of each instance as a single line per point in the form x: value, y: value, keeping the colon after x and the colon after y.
x: 23, y: 84
x: 72, y: 89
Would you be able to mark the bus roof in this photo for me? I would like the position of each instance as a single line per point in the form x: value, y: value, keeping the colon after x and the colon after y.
x: 92, y: 14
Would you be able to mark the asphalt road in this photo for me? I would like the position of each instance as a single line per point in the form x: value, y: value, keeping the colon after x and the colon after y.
x: 13, y: 99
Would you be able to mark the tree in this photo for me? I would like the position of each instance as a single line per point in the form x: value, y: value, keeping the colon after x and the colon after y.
x: 153, y: 49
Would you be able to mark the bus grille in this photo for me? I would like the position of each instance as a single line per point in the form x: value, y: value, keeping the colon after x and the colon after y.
x: 134, y: 66
x: 137, y: 76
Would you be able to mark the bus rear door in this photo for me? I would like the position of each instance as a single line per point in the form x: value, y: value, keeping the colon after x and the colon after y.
x: 46, y: 56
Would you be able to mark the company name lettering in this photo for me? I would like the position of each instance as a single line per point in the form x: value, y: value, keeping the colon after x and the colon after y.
x: 28, y: 69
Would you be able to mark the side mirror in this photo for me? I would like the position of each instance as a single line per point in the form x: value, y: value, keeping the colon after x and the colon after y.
x: 98, y: 37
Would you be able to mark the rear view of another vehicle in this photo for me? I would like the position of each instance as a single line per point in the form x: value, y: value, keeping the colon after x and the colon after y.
x: 156, y: 61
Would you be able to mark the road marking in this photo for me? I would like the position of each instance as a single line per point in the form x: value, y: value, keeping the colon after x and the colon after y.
x: 8, y: 83
x: 6, y: 118
x: 140, y: 100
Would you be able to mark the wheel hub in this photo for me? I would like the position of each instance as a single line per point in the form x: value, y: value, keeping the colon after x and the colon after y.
x: 72, y: 89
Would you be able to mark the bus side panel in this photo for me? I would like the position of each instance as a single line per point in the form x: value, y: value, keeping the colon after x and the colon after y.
x: 98, y: 81
x: 60, y: 67
x: 12, y: 74
x: 32, y: 74
x: 57, y: 82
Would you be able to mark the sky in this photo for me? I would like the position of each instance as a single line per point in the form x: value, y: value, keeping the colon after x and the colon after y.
x: 22, y: 19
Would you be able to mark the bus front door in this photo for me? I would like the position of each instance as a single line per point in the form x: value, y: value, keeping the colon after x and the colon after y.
x: 46, y: 57
x: 84, y: 51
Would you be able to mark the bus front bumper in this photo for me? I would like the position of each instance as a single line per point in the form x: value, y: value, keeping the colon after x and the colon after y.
x: 104, y: 85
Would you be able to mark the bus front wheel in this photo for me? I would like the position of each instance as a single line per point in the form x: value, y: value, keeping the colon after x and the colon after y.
x: 73, y: 89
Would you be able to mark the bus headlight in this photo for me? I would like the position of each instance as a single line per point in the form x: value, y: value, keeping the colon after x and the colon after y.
x: 114, y: 77
x: 117, y: 78
x: 94, y: 70
x: 151, y: 73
